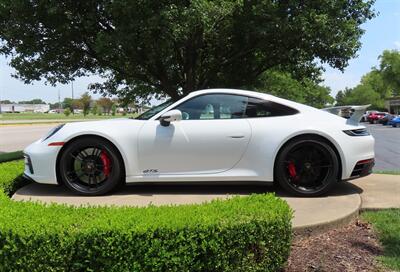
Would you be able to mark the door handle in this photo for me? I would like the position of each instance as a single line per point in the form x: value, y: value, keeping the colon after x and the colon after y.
x: 236, y: 136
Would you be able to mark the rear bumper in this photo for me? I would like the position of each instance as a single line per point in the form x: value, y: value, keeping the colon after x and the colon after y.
x: 362, y: 168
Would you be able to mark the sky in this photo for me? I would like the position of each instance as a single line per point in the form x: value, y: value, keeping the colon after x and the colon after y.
x: 382, y: 32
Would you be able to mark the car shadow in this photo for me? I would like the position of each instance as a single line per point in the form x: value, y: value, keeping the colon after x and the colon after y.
x: 198, y: 188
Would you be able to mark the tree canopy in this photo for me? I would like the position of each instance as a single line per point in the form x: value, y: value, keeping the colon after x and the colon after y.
x: 377, y: 85
x: 166, y: 47
x: 284, y: 85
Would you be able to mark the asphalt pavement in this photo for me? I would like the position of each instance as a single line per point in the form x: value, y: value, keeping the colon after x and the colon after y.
x: 387, y: 146
x: 17, y: 137
x: 387, y: 141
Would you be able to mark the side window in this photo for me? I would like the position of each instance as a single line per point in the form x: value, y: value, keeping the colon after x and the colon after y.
x: 227, y: 106
x: 264, y: 108
x: 214, y: 106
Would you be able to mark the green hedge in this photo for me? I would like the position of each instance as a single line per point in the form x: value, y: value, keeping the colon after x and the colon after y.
x: 11, y: 176
x: 10, y: 156
x: 240, y: 234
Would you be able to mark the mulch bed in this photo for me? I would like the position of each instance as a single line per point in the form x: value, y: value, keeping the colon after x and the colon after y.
x: 350, y: 248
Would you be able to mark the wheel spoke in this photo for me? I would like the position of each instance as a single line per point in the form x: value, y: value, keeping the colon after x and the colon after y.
x: 77, y: 158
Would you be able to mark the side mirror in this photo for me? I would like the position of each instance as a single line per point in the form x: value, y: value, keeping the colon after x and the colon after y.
x: 170, y: 116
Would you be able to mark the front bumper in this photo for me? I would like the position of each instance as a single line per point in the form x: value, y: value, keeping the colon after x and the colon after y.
x: 40, y: 162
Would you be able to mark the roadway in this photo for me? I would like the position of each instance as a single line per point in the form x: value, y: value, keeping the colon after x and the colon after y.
x: 387, y: 147
x: 17, y: 137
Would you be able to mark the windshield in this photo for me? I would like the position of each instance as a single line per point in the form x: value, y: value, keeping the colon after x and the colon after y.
x: 154, y: 110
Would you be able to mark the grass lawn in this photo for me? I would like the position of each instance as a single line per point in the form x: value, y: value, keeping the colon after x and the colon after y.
x: 55, y: 116
x: 387, y: 224
x: 388, y: 172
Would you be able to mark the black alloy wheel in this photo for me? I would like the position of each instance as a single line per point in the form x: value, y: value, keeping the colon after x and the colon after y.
x: 90, y: 166
x: 307, y: 166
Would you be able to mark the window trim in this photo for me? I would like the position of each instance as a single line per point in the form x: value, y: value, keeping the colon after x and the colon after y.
x: 173, y: 107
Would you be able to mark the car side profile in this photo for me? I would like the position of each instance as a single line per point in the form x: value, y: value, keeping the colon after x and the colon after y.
x: 209, y: 135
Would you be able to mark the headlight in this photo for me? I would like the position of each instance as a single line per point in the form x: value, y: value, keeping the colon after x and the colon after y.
x: 357, y: 132
x: 52, y: 132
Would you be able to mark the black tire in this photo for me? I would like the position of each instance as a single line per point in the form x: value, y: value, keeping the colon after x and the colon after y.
x: 307, y: 166
x: 90, y: 166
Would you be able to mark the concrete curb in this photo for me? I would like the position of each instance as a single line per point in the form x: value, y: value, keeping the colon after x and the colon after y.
x: 314, y: 229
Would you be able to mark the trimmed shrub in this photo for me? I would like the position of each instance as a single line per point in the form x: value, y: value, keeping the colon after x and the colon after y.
x: 10, y: 156
x: 240, y: 234
x: 11, y: 177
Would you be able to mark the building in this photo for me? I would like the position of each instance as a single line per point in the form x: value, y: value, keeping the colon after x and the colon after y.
x: 25, y: 108
x: 393, y: 105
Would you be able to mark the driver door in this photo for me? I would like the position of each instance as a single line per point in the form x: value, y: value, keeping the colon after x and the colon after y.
x: 211, y: 138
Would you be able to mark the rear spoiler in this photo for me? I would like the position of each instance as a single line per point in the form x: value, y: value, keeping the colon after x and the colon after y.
x: 356, y: 112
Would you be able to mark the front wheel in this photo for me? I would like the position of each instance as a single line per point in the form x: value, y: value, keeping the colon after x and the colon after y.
x: 90, y: 166
x: 307, y: 166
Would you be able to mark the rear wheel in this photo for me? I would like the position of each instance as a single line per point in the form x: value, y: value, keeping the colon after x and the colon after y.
x: 307, y: 167
x: 90, y: 166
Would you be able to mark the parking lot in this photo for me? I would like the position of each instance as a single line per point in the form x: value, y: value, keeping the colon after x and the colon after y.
x: 387, y: 146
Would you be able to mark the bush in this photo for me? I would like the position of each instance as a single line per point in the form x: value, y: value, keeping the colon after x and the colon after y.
x: 67, y: 112
x: 11, y: 177
x: 10, y: 156
x: 240, y: 234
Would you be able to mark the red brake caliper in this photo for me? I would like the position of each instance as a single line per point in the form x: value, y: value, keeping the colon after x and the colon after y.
x: 106, y: 163
x: 292, y: 170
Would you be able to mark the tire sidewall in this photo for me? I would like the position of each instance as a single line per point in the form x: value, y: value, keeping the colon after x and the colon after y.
x: 280, y: 169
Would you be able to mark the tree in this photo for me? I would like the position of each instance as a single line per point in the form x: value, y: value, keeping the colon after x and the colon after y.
x: 6, y: 102
x: 340, y: 98
x: 284, y: 85
x: 67, y: 103
x: 113, y: 109
x: 146, y: 48
x: 95, y: 109
x: 85, y: 101
x: 105, y: 103
x: 33, y: 101
x: 390, y: 70
x: 67, y: 112
x: 372, y: 89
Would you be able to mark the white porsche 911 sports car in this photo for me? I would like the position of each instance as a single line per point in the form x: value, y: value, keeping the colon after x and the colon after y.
x: 209, y: 135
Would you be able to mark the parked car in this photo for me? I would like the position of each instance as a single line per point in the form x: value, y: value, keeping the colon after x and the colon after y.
x: 211, y: 135
x: 374, y: 117
x: 54, y: 111
x: 385, y: 120
x: 395, y: 122
x: 364, y: 118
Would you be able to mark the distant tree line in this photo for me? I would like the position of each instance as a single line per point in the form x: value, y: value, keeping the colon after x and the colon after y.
x: 376, y: 86
x: 33, y: 101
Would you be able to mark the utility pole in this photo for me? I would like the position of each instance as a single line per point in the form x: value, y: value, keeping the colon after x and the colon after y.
x: 72, y: 102
x: 59, y: 102
x: 0, y: 102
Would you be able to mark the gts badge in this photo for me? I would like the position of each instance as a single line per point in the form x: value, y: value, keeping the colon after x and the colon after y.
x: 150, y: 171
